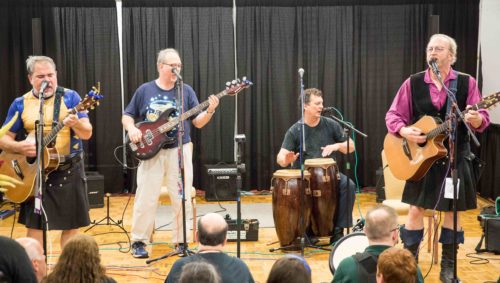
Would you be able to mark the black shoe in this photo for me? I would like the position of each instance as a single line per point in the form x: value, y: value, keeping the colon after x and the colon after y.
x: 338, y: 233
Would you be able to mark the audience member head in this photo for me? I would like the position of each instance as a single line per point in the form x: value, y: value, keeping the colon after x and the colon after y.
x: 212, y: 230
x: 381, y: 225
x: 396, y: 265
x: 199, y: 271
x: 36, y: 255
x: 290, y: 269
x: 79, y: 262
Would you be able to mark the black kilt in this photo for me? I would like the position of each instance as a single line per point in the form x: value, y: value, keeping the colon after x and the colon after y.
x: 65, y: 201
x: 426, y: 192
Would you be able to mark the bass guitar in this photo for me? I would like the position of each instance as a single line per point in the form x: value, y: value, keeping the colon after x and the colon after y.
x: 24, y: 168
x: 158, y: 133
x: 411, y: 161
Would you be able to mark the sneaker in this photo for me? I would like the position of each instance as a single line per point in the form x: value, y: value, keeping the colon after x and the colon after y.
x: 139, y: 250
x: 180, y: 249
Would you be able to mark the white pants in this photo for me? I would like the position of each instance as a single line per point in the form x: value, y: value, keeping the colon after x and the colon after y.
x: 151, y: 175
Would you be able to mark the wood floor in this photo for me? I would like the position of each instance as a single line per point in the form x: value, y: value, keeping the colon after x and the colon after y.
x: 124, y: 268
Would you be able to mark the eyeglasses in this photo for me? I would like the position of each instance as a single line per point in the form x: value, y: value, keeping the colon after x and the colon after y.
x: 435, y: 48
x: 396, y: 229
x: 173, y: 65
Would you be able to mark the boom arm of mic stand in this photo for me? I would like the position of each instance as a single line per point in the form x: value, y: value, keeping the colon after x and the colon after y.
x: 348, y: 126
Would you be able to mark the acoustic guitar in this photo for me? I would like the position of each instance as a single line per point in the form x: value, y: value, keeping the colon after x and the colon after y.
x: 161, y: 132
x: 24, y: 168
x: 411, y: 161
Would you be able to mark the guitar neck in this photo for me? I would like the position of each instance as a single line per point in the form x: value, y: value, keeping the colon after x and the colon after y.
x: 444, y: 126
x: 191, y: 112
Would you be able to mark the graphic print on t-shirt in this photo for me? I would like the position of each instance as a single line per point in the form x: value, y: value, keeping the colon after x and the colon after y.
x: 157, y: 105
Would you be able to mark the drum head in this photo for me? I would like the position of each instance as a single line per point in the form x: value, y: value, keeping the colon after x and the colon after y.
x: 319, y: 162
x: 290, y: 173
x: 347, y: 246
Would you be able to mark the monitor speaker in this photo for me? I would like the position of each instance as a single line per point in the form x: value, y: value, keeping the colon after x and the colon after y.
x: 221, y: 183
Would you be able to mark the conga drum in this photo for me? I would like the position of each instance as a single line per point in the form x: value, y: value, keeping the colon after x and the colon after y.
x: 324, y: 182
x: 286, y: 186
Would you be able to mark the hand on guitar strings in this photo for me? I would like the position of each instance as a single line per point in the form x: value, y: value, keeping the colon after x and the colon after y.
x: 473, y: 117
x: 134, y: 134
x: 413, y: 134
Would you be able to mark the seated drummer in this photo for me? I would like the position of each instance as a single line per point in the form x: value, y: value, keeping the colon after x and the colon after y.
x: 323, y: 137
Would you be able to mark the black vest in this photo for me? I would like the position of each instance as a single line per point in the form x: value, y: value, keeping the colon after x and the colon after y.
x: 422, y: 104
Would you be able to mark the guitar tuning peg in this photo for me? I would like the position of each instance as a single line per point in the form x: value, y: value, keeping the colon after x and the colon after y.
x: 228, y: 84
x: 234, y: 82
x: 244, y: 79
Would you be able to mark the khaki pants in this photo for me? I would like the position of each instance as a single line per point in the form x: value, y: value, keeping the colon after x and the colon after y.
x: 163, y: 169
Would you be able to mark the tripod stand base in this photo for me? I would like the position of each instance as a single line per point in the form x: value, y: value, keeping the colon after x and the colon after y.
x: 181, y: 251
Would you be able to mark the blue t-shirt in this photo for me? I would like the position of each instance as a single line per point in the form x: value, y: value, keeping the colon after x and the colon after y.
x: 27, y: 106
x: 149, y: 101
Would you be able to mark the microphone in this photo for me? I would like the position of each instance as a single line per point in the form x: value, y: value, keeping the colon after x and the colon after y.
x: 327, y: 110
x: 176, y: 72
x: 301, y: 72
x: 359, y: 225
x: 43, y: 86
x: 434, y: 67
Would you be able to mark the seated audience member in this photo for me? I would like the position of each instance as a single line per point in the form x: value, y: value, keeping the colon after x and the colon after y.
x: 290, y: 269
x: 199, y: 272
x: 15, y: 264
x: 79, y: 262
x: 35, y: 254
x: 211, y: 237
x: 381, y: 229
x: 396, y: 265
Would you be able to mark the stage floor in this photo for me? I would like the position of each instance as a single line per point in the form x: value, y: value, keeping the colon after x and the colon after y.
x: 124, y: 268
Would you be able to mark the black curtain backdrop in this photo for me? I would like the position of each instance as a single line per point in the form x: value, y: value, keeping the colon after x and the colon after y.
x: 357, y: 52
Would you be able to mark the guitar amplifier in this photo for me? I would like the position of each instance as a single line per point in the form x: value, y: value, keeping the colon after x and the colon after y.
x: 221, y: 182
x: 491, y: 232
x: 95, y: 189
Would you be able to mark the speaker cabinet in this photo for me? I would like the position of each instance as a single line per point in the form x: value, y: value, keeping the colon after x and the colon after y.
x: 221, y: 183
x: 95, y: 189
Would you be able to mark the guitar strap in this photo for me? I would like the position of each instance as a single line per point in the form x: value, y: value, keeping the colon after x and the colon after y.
x: 57, y: 110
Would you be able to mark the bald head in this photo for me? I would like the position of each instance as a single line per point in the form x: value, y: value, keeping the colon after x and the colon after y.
x: 380, y: 223
x: 35, y: 254
x: 212, y: 229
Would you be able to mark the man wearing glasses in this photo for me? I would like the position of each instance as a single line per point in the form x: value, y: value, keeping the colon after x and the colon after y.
x: 423, y: 94
x: 147, y: 104
x: 381, y: 229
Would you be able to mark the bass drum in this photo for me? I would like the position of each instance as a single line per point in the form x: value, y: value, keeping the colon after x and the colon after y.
x: 347, y: 246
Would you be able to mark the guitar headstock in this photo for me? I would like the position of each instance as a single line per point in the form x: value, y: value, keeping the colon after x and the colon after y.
x: 91, y: 99
x: 235, y: 86
x: 489, y: 101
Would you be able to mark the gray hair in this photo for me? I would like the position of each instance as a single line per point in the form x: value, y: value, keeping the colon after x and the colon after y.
x: 162, y: 55
x: 33, y: 60
x: 380, y: 222
x: 451, y: 43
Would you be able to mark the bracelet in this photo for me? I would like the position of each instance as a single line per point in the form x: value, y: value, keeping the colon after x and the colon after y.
x: 210, y: 112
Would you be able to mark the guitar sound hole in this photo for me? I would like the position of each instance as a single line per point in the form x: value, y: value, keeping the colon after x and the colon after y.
x: 31, y: 160
x: 422, y: 144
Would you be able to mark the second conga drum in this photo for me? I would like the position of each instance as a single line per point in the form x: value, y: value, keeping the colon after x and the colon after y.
x: 324, y: 182
x: 287, y: 213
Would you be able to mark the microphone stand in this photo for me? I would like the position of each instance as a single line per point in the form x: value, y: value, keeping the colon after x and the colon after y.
x: 347, y: 129
x: 40, y: 164
x: 182, y: 249
x: 240, y: 167
x: 454, y: 113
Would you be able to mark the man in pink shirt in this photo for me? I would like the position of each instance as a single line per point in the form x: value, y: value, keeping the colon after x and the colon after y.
x: 422, y: 94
